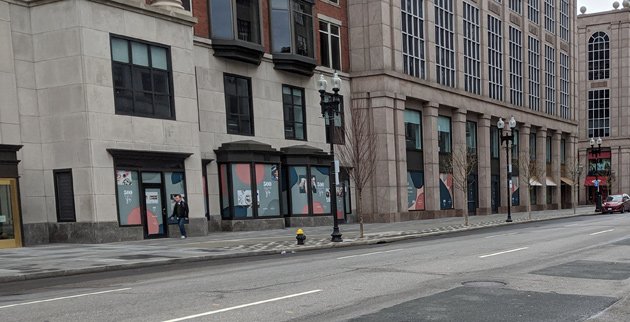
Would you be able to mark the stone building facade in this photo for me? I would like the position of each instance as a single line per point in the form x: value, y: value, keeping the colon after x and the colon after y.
x: 437, y: 76
x: 111, y: 108
x: 603, y: 97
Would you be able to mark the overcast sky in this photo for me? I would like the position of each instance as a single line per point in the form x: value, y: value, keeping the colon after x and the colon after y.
x: 596, y: 5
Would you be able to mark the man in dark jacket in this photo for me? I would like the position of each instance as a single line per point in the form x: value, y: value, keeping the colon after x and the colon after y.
x: 180, y: 211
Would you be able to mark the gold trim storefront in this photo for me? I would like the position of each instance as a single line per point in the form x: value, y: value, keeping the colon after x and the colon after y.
x: 10, y: 214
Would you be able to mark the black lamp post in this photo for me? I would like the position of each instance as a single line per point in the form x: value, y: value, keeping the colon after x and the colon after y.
x: 329, y: 110
x: 508, y: 139
x: 596, y: 151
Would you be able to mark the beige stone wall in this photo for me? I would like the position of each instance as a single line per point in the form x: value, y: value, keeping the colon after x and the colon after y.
x: 616, y: 24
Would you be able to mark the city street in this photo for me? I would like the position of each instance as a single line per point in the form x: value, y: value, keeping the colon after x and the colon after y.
x: 560, y: 270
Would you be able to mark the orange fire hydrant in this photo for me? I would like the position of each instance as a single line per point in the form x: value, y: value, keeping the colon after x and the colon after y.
x: 299, y: 235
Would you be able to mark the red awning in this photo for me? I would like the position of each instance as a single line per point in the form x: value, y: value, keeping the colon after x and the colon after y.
x: 590, y: 181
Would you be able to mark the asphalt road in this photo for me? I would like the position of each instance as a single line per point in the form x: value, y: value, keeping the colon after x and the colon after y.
x: 562, y: 270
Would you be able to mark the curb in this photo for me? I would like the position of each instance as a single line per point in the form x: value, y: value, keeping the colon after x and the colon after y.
x: 202, y: 258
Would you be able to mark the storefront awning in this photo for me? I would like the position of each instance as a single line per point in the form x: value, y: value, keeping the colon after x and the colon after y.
x: 567, y: 181
x: 534, y: 182
x: 550, y: 182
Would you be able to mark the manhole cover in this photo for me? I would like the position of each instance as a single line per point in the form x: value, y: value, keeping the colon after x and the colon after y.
x: 484, y: 284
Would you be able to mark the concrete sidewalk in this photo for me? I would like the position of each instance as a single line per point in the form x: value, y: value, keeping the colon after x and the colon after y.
x: 70, y: 259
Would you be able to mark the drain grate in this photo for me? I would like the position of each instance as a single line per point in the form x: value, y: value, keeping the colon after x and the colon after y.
x: 484, y: 283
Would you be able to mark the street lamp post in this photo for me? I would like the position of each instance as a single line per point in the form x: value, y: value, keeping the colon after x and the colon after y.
x: 329, y: 110
x: 596, y: 151
x: 508, y: 139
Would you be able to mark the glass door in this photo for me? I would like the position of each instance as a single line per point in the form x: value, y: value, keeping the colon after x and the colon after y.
x: 154, y: 219
x: 10, y: 230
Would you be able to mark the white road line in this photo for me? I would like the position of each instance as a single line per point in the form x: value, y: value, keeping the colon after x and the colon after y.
x: 242, y: 306
x: 500, y: 235
x: 368, y: 254
x: 504, y: 252
x: 64, y: 297
x: 601, y: 232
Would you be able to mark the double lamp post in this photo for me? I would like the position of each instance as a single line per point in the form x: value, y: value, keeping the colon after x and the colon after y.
x: 330, y: 109
x: 508, y: 139
x: 596, y: 152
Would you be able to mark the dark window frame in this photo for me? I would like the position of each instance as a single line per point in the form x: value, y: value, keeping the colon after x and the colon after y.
x: 563, y: 152
x: 152, y: 70
x: 333, y: 62
x: 548, y: 149
x: 289, y: 120
x: 57, y: 205
x: 407, y: 136
x: 291, y: 29
x: 234, y: 21
x: 251, y: 106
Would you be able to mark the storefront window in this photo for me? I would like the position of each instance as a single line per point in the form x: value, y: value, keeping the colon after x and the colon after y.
x: 444, y: 134
x: 320, y: 184
x: 415, y: 190
x: 174, y: 185
x: 298, y: 181
x: 494, y: 143
x: 225, y: 195
x: 471, y: 137
x: 413, y: 130
x: 242, y: 190
x: 128, y: 196
x: 267, y: 188
x: 516, y: 195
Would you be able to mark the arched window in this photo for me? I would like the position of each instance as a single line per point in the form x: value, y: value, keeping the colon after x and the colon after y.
x: 598, y: 56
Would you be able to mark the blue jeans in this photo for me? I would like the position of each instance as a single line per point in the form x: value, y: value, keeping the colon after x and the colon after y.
x: 180, y: 223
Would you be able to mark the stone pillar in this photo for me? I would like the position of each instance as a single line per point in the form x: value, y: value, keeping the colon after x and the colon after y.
x: 168, y: 4
x: 541, y: 161
x: 483, y: 166
x: 387, y: 120
x: 431, y: 156
x: 555, y: 169
x: 523, y: 151
x: 459, y: 146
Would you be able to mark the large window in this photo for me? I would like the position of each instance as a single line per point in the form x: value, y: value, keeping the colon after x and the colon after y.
x: 516, y: 6
x: 413, y: 130
x: 515, y: 148
x: 412, y: 16
x: 516, y: 67
x: 444, y: 42
x: 550, y: 16
x: 550, y: 80
x: 235, y: 20
x: 564, y: 20
x: 495, y: 58
x: 472, y: 62
x: 494, y: 143
x: 142, y: 79
x: 309, y: 190
x: 532, y: 146
x: 598, y: 56
x: 339, y: 136
x: 249, y: 190
x: 64, y: 196
x: 294, y: 112
x: 565, y: 110
x: 533, y: 10
x: 329, y: 45
x: 238, y: 105
x: 598, y: 113
x: 534, y: 73
x: 444, y: 134
x: 548, y: 150
x: 292, y: 27
x: 471, y: 137
x: 563, y: 151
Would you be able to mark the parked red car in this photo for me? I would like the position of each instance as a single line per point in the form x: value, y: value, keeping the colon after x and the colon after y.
x: 616, y: 203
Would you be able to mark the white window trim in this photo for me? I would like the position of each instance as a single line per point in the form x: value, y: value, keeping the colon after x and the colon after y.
x: 592, y: 121
x: 565, y: 111
x: 330, y: 36
x: 329, y: 19
x: 550, y: 80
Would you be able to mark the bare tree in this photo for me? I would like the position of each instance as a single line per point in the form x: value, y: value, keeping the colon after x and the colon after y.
x: 461, y: 163
x: 359, y: 152
x: 610, y: 181
x: 530, y: 171
x: 573, y: 170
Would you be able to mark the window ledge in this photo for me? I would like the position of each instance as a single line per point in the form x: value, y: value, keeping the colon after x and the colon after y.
x: 294, y: 63
x: 238, y: 50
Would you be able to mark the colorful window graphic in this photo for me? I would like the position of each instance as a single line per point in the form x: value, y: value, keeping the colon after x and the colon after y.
x: 415, y: 190
x: 446, y: 191
x: 250, y: 190
x: 128, y: 194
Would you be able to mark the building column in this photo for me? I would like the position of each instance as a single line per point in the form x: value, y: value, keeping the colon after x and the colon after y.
x: 431, y: 156
x: 168, y: 4
x: 541, y: 161
x: 459, y: 145
x: 483, y: 165
x: 523, y: 151
x: 555, y: 169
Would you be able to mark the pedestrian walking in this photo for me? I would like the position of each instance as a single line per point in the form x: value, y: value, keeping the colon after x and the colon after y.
x: 180, y: 211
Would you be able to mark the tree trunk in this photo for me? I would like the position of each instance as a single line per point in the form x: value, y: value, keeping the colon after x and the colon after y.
x: 465, y: 208
x: 575, y: 197
x: 529, y: 203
